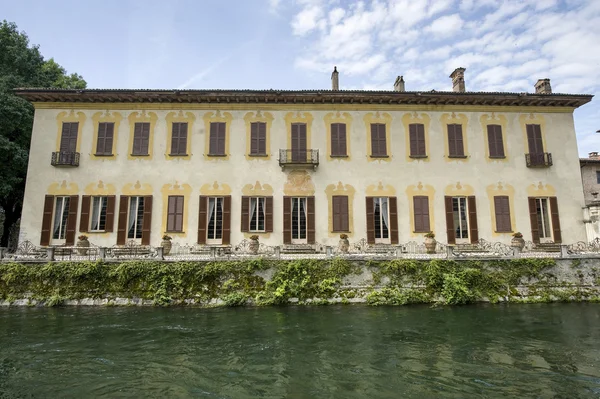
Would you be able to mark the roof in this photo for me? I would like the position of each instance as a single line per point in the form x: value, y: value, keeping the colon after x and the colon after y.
x: 588, y: 160
x: 301, y: 96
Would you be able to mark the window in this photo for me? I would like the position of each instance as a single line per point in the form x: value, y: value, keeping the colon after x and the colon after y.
x: 502, y: 210
x: 381, y: 219
x: 61, y: 213
x: 417, y: 140
x: 543, y: 218
x: 338, y: 140
x: 339, y: 205
x: 104, y: 144
x: 217, y: 138
x: 136, y: 217
x: 455, y: 141
x: 598, y: 176
x: 215, y: 219
x: 68, y: 137
x: 257, y: 214
x: 258, y: 138
x: 299, y: 217
x: 175, y: 214
x: 461, y: 224
x: 534, y: 139
x: 421, y: 213
x: 179, y: 138
x: 495, y: 142
x: 378, y: 140
x: 141, y: 138
x: 98, y: 216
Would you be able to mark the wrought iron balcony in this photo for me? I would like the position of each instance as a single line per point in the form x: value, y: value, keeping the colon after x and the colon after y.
x: 65, y: 158
x: 302, y: 158
x: 538, y: 160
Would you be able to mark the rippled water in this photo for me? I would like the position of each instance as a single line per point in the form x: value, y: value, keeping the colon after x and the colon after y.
x: 525, y: 351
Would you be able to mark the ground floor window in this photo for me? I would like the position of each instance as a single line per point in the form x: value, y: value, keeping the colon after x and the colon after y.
x: 381, y: 219
x: 61, y: 213
x: 214, y: 234
x: 543, y: 218
x: 98, y: 219
x: 461, y: 220
x: 257, y: 214
x: 299, y: 217
x: 136, y: 217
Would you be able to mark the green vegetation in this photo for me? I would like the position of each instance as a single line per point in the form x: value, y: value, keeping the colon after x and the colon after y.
x: 276, y: 282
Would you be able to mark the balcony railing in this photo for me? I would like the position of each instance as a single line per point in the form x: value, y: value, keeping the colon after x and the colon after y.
x: 299, y: 158
x: 538, y: 160
x: 65, y: 158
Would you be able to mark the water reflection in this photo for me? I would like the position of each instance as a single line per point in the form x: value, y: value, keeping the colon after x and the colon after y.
x: 349, y: 352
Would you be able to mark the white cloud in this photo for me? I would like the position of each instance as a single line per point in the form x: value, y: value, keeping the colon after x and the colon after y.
x: 274, y: 6
x: 307, y: 20
x: 446, y: 25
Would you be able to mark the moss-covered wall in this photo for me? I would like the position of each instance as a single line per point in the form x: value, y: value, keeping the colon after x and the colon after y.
x: 262, y: 282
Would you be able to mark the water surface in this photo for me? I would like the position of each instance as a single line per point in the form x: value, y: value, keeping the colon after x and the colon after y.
x: 524, y: 351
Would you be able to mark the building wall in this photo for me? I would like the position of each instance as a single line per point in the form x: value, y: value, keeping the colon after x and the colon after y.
x: 358, y: 175
x: 590, y: 181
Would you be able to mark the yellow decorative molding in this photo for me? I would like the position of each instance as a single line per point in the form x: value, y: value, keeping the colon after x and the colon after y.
x: 211, y: 117
x: 305, y: 107
x: 541, y: 190
x: 501, y: 189
x: 299, y: 182
x: 65, y: 117
x: 215, y: 189
x: 258, y: 116
x: 420, y: 190
x: 425, y: 120
x: 339, y: 117
x: 460, y: 119
x: 494, y: 119
x: 137, y: 188
x: 378, y: 190
x: 533, y: 119
x: 298, y: 117
x: 257, y: 190
x: 100, y: 188
x: 386, y: 119
x: 181, y: 190
x: 459, y: 190
x: 173, y: 117
x: 340, y: 189
x: 63, y: 188
x: 142, y: 117
x: 101, y: 117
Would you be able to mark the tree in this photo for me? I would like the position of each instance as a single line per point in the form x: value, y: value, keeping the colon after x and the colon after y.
x: 21, y: 65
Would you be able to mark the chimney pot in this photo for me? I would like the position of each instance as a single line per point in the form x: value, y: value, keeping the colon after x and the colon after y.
x: 399, y: 84
x: 458, y: 80
x: 542, y: 86
x: 335, y: 79
x: 594, y: 155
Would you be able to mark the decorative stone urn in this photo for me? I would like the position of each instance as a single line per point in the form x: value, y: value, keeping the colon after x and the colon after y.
x: 166, y: 244
x: 430, y: 242
x: 253, y: 245
x: 344, y: 244
x: 517, y: 241
x: 83, y: 245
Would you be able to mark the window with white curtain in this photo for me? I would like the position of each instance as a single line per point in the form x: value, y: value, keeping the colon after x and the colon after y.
x: 61, y: 213
x: 136, y: 217
x: 381, y: 219
x: 98, y: 214
x: 257, y: 214
x: 215, y: 219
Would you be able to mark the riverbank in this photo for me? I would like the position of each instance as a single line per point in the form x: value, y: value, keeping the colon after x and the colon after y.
x: 260, y: 282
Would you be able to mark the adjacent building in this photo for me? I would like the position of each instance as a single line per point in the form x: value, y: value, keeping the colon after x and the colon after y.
x: 212, y: 167
x: 590, y: 177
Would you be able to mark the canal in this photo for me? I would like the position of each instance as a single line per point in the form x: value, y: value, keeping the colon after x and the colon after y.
x: 483, y: 351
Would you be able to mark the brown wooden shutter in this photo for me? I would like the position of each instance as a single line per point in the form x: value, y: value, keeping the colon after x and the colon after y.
x: 137, y: 139
x: 374, y: 140
x: 145, y: 142
x: 179, y: 138
x: 473, y: 232
x: 269, y: 214
x: 450, y: 233
x: 421, y: 149
x: 342, y: 146
x: 534, y: 139
x: 221, y: 143
x: 171, y: 204
x: 213, y: 139
x: 147, y: 220
x: 110, y: 213
x: 555, y: 220
x: 122, y: 224
x: 310, y: 220
x: 502, y: 211
x: 100, y: 142
x: 262, y: 138
x: 370, y: 220
x: 421, y: 214
x: 84, y: 220
x: 47, y: 220
x: 287, y: 220
x: 72, y: 220
x: 455, y: 141
x: 495, y: 143
x: 245, y: 227
x: 68, y: 141
x: 202, y: 222
x: 175, y: 213
x: 339, y: 208
x: 535, y: 232
x: 226, y: 237
x: 393, y: 209
x: 416, y: 132
x: 175, y: 138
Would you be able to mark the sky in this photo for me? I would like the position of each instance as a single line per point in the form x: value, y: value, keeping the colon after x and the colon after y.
x: 294, y: 44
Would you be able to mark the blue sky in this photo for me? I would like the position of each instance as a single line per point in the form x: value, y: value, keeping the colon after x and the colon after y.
x: 293, y: 44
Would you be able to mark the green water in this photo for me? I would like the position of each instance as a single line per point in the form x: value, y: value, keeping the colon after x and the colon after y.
x: 524, y: 351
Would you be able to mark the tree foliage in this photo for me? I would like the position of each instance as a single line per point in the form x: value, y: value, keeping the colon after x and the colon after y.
x: 21, y: 65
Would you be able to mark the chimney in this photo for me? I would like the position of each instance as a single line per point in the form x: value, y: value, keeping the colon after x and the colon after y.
x: 458, y: 80
x: 335, y: 79
x: 399, y: 84
x: 542, y: 86
x: 594, y: 155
